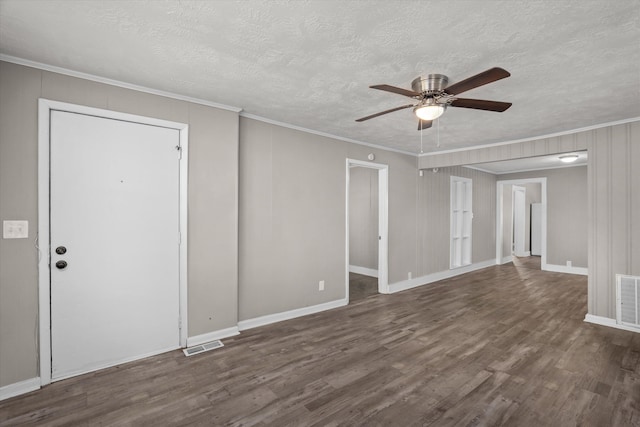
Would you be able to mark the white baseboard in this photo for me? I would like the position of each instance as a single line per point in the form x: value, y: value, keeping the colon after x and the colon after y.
x: 607, y: 321
x: 363, y: 270
x: 212, y: 336
x: 506, y: 259
x: 19, y: 388
x: 564, y: 269
x: 291, y: 314
x: 434, y: 277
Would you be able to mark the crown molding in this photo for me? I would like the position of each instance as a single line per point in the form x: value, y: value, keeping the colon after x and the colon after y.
x: 118, y: 83
x: 534, y: 138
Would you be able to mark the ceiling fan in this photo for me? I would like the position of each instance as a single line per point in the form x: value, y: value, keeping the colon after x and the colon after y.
x: 433, y: 95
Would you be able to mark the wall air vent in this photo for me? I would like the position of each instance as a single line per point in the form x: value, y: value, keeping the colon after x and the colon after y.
x: 197, y: 349
x: 628, y: 300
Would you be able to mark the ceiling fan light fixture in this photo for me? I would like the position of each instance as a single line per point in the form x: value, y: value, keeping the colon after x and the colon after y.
x: 429, y: 111
x: 569, y: 158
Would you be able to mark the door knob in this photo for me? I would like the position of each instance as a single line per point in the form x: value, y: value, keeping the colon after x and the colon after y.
x: 61, y: 250
x: 61, y: 264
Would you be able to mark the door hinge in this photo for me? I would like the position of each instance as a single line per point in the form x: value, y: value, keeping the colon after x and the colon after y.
x: 179, y: 238
x: 179, y: 150
x: 179, y: 322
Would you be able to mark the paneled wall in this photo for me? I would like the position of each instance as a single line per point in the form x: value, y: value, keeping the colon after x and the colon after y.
x: 614, y: 212
x: 434, y: 217
x: 538, y: 147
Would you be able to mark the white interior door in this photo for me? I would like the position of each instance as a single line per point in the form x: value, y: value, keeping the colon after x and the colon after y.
x: 519, y: 221
x: 114, y: 209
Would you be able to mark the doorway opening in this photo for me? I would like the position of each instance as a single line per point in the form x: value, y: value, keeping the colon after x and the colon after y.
x: 521, y: 223
x: 366, y: 240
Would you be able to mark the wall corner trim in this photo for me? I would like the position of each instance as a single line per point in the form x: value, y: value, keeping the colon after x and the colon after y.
x: 506, y: 260
x: 290, y: 314
x: 363, y: 270
x: 564, y: 269
x: 212, y: 336
x: 607, y: 321
x: 22, y: 387
x: 434, y: 277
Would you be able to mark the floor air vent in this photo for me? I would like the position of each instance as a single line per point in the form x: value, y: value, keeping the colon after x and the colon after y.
x: 197, y: 349
x: 628, y: 300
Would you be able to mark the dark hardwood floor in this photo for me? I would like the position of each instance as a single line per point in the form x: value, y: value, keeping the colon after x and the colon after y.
x: 506, y: 345
x: 361, y: 286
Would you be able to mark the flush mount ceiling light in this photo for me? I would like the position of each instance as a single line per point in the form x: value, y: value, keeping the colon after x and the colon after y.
x: 569, y: 158
x: 429, y: 109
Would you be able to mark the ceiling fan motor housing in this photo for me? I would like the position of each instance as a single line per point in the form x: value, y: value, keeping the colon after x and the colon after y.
x: 431, y: 83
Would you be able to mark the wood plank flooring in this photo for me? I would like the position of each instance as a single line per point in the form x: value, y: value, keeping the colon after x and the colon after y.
x: 361, y: 287
x: 506, y: 345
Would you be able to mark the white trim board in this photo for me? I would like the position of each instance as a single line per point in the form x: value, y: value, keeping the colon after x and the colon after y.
x: 324, y: 134
x: 607, y: 321
x: 172, y: 95
x: 500, y: 215
x: 506, y: 260
x: 523, y: 170
x: 212, y: 336
x: 45, y: 106
x: 441, y: 275
x: 534, y: 138
x: 383, y: 223
x: 566, y: 269
x: 268, y: 319
x: 21, y: 387
x: 117, y: 83
x: 363, y: 270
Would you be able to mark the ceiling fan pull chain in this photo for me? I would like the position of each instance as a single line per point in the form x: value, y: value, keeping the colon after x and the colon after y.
x: 421, y: 150
x: 438, y: 132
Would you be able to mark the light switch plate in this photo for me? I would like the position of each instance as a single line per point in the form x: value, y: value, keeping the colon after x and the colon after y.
x: 15, y: 229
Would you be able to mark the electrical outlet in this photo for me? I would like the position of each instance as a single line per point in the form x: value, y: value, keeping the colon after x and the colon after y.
x: 321, y: 285
x: 569, y: 263
x: 409, y: 275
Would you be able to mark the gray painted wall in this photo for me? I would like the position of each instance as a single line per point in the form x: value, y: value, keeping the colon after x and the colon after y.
x: 434, y: 214
x: 533, y: 194
x: 213, y: 144
x: 567, y: 225
x: 292, y: 217
x: 363, y: 217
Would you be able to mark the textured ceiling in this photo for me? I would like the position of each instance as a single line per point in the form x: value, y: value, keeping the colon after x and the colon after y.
x: 309, y: 63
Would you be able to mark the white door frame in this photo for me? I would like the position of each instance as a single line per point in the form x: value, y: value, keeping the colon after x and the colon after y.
x: 517, y: 189
x: 45, y: 107
x: 383, y: 224
x: 500, y: 215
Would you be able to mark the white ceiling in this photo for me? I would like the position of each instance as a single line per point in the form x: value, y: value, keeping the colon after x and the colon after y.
x: 531, y: 163
x: 309, y: 63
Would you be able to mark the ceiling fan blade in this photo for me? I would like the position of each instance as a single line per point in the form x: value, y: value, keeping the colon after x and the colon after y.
x: 481, y: 104
x: 483, y: 78
x: 362, y: 119
x: 394, y: 89
x: 424, y: 124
